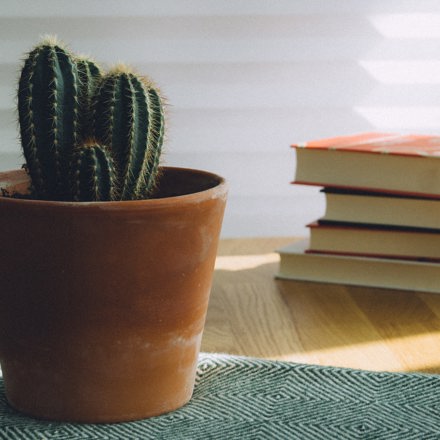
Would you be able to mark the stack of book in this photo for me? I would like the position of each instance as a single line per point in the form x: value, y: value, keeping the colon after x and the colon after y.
x: 381, y: 227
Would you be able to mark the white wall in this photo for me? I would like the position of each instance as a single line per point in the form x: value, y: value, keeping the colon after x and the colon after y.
x: 246, y: 78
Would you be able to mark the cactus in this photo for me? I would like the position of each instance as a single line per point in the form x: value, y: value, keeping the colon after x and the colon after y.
x: 128, y: 117
x: 89, y: 75
x: 92, y: 173
x: 48, y: 109
x: 68, y: 110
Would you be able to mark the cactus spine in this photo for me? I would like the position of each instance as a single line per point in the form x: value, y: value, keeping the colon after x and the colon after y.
x: 48, y: 108
x: 128, y: 117
x: 92, y: 173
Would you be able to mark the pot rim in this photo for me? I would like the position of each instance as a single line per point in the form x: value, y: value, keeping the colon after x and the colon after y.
x: 219, y: 190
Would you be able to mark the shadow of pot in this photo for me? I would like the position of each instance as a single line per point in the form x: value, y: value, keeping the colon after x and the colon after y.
x: 103, y: 304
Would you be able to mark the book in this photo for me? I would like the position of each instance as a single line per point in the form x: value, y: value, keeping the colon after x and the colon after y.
x: 381, y: 209
x: 297, y: 264
x: 379, y: 241
x: 399, y: 164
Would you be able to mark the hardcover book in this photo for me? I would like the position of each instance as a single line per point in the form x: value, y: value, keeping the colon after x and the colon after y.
x: 381, y: 209
x: 380, y: 241
x: 296, y: 264
x: 391, y: 163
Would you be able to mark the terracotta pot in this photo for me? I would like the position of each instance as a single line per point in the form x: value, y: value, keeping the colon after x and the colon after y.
x: 102, y: 304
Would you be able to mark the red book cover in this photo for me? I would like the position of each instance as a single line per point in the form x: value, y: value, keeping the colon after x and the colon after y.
x: 385, y: 143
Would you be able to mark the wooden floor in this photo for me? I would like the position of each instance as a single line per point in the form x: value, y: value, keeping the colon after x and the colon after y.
x: 251, y: 313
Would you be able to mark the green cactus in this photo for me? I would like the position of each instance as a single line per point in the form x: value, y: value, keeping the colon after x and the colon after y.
x: 89, y: 75
x: 128, y: 116
x: 48, y: 108
x: 68, y: 110
x: 156, y: 138
x: 92, y: 173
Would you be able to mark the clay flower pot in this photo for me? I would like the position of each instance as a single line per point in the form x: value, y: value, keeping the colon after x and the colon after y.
x: 102, y: 304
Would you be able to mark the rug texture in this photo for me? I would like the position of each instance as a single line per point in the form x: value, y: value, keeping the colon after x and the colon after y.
x: 242, y: 398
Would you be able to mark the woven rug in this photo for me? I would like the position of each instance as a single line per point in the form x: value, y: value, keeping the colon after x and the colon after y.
x: 242, y: 398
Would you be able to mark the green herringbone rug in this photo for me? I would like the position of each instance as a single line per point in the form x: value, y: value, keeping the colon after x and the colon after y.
x: 242, y: 398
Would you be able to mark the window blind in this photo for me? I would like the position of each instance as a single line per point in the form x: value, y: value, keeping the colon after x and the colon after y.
x: 244, y: 79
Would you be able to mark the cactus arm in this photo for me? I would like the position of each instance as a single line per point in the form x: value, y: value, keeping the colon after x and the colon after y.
x: 66, y: 118
x: 129, y: 118
x: 129, y: 137
x: 117, y: 124
x: 92, y: 174
x: 49, y: 117
x: 137, y: 156
x: 102, y: 110
x: 156, y: 131
x: 89, y: 75
x: 30, y: 128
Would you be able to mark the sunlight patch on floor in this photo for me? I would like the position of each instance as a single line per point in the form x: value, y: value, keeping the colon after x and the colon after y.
x: 384, y: 353
x: 244, y: 262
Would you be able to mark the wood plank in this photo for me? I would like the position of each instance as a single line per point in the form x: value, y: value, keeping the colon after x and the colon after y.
x: 333, y: 329
x: 250, y: 308
x: 252, y: 314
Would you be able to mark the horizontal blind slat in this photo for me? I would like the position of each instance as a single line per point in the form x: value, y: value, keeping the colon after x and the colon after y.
x: 87, y: 8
